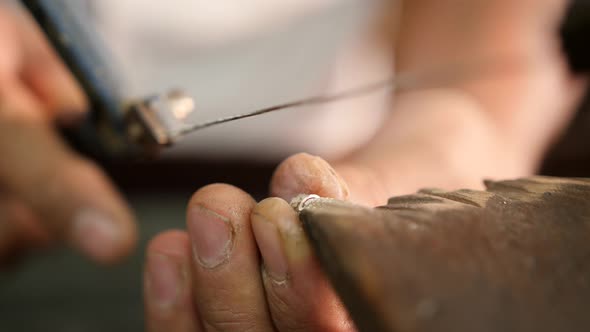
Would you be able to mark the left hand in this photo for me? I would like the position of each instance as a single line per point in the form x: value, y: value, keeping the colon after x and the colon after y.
x: 213, y: 278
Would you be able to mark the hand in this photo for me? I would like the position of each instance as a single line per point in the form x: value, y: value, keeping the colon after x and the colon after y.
x: 495, y: 125
x: 210, y: 278
x: 47, y: 192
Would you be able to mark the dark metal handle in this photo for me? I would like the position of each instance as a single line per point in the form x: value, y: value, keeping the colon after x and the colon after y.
x: 104, y: 133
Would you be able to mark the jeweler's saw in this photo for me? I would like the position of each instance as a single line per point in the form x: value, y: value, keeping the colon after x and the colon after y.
x: 117, y: 127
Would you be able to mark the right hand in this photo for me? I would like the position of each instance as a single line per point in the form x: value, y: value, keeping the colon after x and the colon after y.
x: 47, y: 192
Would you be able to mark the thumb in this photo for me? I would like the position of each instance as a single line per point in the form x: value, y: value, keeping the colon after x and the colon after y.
x: 307, y: 174
x: 71, y: 196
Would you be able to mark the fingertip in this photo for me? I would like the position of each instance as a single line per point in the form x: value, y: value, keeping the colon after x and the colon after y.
x: 102, y: 238
x: 57, y: 89
x: 167, y: 284
x: 272, y: 207
x: 45, y: 73
x: 267, y: 228
x: 217, y: 198
x: 101, y: 223
x: 71, y: 196
x: 295, y: 286
x: 127, y: 243
x: 280, y: 213
x: 227, y: 287
x: 307, y: 174
x: 217, y: 216
x: 280, y: 235
x: 10, y: 61
x: 173, y: 243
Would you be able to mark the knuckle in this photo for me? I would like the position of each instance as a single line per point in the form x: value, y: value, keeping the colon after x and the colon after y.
x: 222, y: 318
x: 286, y: 311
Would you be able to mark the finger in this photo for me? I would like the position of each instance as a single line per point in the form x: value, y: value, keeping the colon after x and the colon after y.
x: 43, y: 71
x: 227, y: 285
x: 351, y: 180
x: 168, y: 298
x: 10, y: 61
x: 299, y: 296
x: 70, y: 195
x: 19, y: 230
x: 367, y: 186
x: 10, y: 232
x: 306, y: 174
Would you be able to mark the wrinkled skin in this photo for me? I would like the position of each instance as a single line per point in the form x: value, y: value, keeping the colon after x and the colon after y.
x: 247, y: 266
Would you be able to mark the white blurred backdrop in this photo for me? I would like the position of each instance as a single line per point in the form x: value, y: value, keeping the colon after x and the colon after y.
x: 236, y: 56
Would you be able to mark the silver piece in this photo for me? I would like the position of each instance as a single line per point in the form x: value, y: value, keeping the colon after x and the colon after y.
x: 144, y: 127
x: 174, y: 106
x: 300, y: 202
x: 158, y: 119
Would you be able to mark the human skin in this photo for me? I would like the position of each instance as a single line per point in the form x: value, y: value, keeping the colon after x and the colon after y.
x: 244, y: 265
x: 48, y: 194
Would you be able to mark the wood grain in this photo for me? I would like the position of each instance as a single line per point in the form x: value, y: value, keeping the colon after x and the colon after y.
x: 513, y: 258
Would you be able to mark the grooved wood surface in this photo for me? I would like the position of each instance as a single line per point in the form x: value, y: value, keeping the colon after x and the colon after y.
x: 513, y: 258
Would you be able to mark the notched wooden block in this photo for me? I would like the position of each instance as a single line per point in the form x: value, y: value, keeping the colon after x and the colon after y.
x: 513, y: 258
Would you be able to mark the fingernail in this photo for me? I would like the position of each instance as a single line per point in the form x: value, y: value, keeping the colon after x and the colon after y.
x: 96, y: 234
x: 163, y: 281
x: 211, y: 235
x: 269, y: 242
x: 307, y: 174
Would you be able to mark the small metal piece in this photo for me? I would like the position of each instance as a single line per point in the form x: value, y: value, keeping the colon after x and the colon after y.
x: 157, y: 119
x: 176, y: 106
x: 300, y: 202
x: 145, y: 128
